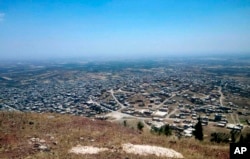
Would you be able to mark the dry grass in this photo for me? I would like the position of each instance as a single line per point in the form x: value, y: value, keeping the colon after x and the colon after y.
x: 62, y: 132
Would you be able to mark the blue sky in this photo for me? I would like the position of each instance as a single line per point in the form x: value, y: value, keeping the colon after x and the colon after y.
x: 122, y: 28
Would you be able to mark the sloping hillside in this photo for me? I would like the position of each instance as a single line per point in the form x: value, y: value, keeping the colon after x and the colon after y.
x: 31, y: 135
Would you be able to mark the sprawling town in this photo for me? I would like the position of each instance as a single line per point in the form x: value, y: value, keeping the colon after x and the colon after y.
x: 157, y: 92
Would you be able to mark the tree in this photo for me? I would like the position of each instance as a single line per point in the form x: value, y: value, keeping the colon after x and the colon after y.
x: 167, y: 130
x: 125, y: 123
x: 140, y: 125
x: 233, y: 134
x: 245, y: 138
x: 241, y: 139
x: 198, y: 132
x: 220, y: 137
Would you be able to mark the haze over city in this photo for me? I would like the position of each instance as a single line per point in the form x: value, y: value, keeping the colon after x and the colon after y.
x: 124, y: 79
x: 44, y: 29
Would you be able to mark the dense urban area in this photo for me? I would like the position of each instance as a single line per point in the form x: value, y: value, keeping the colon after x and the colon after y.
x: 172, y: 91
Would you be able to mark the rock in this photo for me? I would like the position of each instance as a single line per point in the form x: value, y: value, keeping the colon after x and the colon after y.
x: 43, y: 148
x: 42, y: 141
x: 52, y: 137
x: 151, y: 150
x: 33, y: 139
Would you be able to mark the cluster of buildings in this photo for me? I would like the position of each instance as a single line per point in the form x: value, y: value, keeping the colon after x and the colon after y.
x: 158, y: 95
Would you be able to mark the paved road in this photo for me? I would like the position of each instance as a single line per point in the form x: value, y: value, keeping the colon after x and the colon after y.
x: 173, y: 112
x: 120, y: 90
x: 119, y: 115
x: 232, y: 117
x: 235, y: 118
x: 221, y: 96
x: 173, y: 95
x: 112, y: 94
x: 160, y: 105
x: 91, y: 101
x: 11, y: 108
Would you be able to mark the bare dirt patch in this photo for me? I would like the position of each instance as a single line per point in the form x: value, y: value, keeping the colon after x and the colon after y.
x: 118, y: 116
x: 86, y: 150
x: 143, y: 150
x: 151, y: 150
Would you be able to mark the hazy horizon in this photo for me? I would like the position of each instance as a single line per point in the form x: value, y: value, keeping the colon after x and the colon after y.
x: 123, y: 29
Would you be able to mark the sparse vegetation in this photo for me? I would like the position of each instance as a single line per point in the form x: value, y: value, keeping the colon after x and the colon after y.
x: 140, y: 126
x: 235, y: 135
x: 62, y: 132
x: 244, y: 139
x: 166, y: 130
x: 220, y: 137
